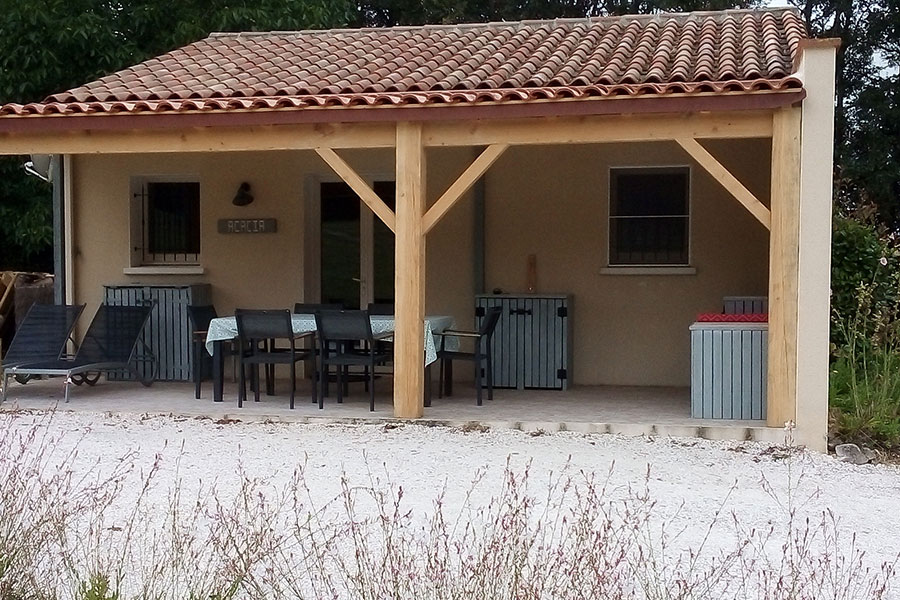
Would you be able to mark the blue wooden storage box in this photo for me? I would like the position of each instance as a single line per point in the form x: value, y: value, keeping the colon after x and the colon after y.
x: 728, y: 370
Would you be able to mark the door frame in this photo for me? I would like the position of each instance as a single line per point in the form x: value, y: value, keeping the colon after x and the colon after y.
x: 312, y: 238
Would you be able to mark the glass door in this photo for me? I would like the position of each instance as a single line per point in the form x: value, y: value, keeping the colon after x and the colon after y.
x: 340, y: 245
x: 357, y: 249
x: 383, y: 248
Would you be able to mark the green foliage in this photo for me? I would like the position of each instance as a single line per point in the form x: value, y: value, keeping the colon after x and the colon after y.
x: 418, y: 12
x: 867, y: 119
x: 864, y: 383
x: 59, y: 44
x: 872, y: 162
x: 26, y: 220
x: 862, y: 256
x: 865, y: 398
x: 97, y: 587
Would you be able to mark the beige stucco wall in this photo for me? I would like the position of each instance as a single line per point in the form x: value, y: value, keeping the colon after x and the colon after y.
x: 548, y: 201
x: 252, y: 270
x: 628, y: 329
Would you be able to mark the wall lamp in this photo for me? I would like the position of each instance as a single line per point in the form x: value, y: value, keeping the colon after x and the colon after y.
x: 243, y: 197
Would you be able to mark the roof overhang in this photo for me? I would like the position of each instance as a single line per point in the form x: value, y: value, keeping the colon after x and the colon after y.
x: 642, y: 104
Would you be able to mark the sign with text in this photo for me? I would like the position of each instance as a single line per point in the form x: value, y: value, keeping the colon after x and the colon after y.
x: 248, y: 225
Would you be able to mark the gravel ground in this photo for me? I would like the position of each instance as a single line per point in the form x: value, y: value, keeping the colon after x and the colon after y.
x: 689, y: 479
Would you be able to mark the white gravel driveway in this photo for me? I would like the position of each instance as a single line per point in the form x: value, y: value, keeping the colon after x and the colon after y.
x: 690, y: 480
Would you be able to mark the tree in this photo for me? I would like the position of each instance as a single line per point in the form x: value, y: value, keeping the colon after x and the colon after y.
x: 60, y: 44
x: 380, y: 13
x: 867, y: 112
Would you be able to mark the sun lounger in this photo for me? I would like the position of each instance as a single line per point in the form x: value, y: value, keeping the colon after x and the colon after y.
x: 110, y: 344
x: 42, y: 335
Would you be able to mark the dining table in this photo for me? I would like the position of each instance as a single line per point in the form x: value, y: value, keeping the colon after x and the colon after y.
x: 224, y: 329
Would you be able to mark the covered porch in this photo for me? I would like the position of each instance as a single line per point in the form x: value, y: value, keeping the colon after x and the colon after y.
x: 758, y: 151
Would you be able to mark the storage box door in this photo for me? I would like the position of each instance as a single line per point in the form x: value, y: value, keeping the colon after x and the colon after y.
x: 170, y: 338
x: 544, y: 321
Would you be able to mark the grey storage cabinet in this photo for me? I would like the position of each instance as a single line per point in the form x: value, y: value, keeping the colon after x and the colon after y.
x: 729, y: 370
x: 533, y: 341
x: 168, y: 331
x: 742, y: 305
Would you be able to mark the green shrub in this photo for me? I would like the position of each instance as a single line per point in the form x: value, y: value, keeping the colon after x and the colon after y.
x: 864, y: 386
x: 864, y: 399
x: 862, y: 255
x: 864, y: 383
x: 97, y: 587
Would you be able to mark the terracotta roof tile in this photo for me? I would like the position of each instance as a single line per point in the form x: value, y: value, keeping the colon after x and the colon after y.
x: 710, y: 52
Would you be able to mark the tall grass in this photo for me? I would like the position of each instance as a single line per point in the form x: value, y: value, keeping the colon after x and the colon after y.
x: 864, y: 381
x: 580, y: 536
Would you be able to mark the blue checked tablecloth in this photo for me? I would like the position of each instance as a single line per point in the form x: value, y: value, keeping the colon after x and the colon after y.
x: 225, y: 328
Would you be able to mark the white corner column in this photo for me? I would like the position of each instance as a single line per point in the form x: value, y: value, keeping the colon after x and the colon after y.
x: 817, y: 71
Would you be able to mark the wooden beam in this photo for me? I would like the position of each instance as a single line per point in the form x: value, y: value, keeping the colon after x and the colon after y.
x: 409, y: 274
x: 583, y: 129
x: 358, y: 185
x: 726, y: 179
x: 784, y: 266
x: 599, y: 129
x: 202, y: 139
x: 462, y: 184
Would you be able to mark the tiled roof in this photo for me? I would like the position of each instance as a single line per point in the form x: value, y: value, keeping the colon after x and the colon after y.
x: 693, y: 53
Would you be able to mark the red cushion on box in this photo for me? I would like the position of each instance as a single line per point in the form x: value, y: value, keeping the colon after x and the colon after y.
x: 721, y: 318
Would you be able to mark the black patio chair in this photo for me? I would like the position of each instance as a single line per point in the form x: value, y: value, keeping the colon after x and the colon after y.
x: 110, y: 344
x: 343, y: 330
x: 200, y: 316
x: 258, y: 331
x: 42, y: 335
x: 482, y: 353
x: 307, y: 308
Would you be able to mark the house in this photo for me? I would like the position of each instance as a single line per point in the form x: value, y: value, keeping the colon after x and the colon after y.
x: 473, y: 147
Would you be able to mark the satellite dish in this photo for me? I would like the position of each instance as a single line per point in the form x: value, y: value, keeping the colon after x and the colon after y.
x: 39, y: 166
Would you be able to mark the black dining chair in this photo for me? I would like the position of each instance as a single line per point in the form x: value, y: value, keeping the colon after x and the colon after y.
x: 482, y: 353
x: 339, y: 333
x: 200, y: 315
x: 311, y: 308
x: 258, y: 331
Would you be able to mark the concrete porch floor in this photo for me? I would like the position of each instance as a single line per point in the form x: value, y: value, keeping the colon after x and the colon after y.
x: 587, y: 409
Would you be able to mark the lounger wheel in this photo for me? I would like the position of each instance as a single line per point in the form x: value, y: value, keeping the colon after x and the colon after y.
x: 148, y: 376
x: 90, y: 378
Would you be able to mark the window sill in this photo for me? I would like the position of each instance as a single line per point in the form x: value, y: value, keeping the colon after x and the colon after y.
x: 648, y: 271
x: 165, y: 270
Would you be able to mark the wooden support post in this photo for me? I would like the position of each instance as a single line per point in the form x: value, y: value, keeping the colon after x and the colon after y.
x: 409, y: 274
x: 784, y: 261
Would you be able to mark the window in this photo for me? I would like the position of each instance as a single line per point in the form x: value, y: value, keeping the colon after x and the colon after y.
x: 165, y: 221
x: 649, y: 219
